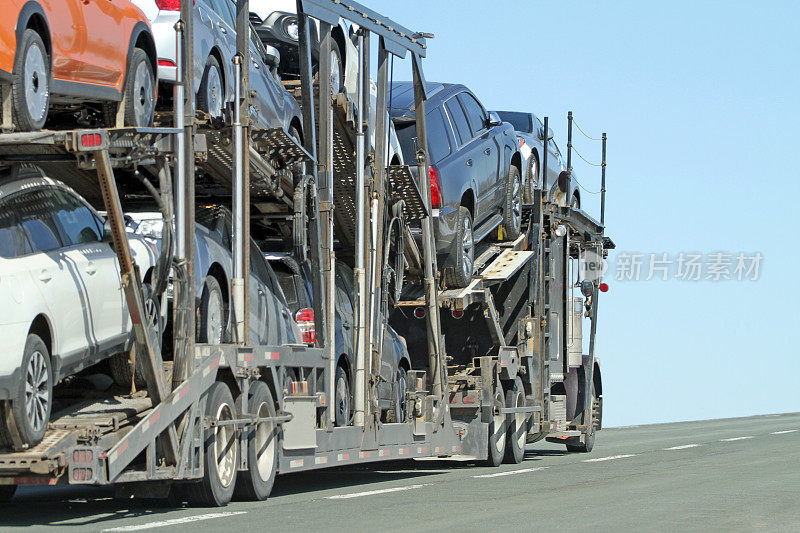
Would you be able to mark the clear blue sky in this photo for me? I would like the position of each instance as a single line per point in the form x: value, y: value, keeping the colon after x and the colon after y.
x: 701, y: 104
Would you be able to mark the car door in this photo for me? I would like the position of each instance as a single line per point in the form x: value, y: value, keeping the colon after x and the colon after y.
x: 61, y: 280
x: 268, y: 102
x: 471, y: 156
x: 490, y: 146
x: 82, y: 235
x: 107, y: 47
x: 257, y: 295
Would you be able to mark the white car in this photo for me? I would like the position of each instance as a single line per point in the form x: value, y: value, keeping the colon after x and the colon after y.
x: 62, y: 308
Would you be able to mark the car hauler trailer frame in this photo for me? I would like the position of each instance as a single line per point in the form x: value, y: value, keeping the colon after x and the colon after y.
x: 248, y: 411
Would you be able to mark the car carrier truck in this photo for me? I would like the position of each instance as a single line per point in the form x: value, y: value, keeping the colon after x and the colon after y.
x: 494, y: 365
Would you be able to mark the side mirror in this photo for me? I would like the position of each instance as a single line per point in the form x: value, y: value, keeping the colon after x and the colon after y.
x: 549, y: 133
x: 273, y: 58
x: 494, y: 119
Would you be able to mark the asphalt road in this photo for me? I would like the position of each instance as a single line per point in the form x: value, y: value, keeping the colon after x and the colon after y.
x: 733, y: 474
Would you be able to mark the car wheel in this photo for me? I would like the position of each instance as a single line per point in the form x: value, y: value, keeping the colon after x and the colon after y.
x: 337, y: 70
x: 342, y: 398
x: 28, y: 414
x: 517, y: 424
x: 262, y: 446
x: 398, y: 412
x: 211, y: 96
x: 533, y: 180
x: 497, y: 430
x: 140, y: 91
x: 460, y: 275
x: 221, y: 457
x: 512, y: 210
x: 213, y: 319
x: 575, y: 203
x: 120, y: 363
x: 30, y: 83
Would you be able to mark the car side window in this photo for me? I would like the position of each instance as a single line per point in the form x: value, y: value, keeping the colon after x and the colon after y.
x: 438, y: 140
x: 459, y: 120
x: 13, y: 242
x: 78, y: 224
x: 224, y: 9
x: 475, y: 113
x: 34, y: 212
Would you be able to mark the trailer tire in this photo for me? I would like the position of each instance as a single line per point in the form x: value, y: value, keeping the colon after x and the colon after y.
x: 7, y: 492
x: 517, y: 424
x: 255, y: 484
x: 221, y: 452
x: 497, y: 430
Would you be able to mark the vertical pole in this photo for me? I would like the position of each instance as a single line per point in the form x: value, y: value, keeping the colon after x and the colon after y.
x: 429, y: 253
x: 325, y: 155
x: 184, y: 330
x: 241, y: 177
x: 544, y: 158
x: 568, y: 191
x: 361, y: 222
x: 603, y: 185
x: 310, y: 142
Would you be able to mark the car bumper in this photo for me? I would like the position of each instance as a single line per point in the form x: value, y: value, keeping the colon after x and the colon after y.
x: 165, y: 37
x: 444, y: 234
x: 14, y: 337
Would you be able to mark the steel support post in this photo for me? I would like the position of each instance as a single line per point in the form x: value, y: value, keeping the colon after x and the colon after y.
x: 325, y: 155
x: 241, y: 174
x: 544, y: 158
x: 361, y: 341
x: 428, y: 247
x: 568, y: 191
x: 184, y: 330
x: 603, y: 185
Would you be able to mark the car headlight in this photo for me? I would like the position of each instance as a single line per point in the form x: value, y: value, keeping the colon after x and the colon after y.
x: 292, y: 28
x: 150, y: 228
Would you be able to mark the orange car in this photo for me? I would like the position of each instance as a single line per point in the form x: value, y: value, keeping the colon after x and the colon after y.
x: 76, y: 51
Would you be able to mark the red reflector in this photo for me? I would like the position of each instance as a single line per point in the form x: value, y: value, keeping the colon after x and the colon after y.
x: 436, y: 188
x: 457, y: 313
x: 166, y: 63
x: 305, y: 322
x: 91, y: 140
x: 419, y: 312
x: 604, y: 287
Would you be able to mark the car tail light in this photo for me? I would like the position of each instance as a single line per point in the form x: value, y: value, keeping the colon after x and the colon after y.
x: 436, y: 188
x: 171, y: 5
x: 166, y: 63
x: 305, y: 321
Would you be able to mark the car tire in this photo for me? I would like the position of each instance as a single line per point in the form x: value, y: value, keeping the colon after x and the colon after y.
x: 497, y: 430
x: 120, y: 363
x: 337, y: 64
x: 221, y: 457
x: 533, y: 180
x: 460, y: 274
x: 255, y: 484
x: 28, y: 413
x: 512, y: 208
x: 213, y: 320
x: 30, y: 83
x: 343, y: 399
x: 211, y: 96
x: 575, y: 203
x: 140, y: 91
x: 7, y: 492
x: 398, y: 412
x: 517, y: 424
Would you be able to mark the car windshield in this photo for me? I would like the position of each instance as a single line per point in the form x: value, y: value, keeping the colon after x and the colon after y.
x: 521, y: 121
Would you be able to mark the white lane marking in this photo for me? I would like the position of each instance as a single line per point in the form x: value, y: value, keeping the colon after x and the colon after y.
x: 736, y: 438
x: 175, y: 521
x: 784, y: 432
x: 609, y: 458
x: 683, y: 447
x: 373, y: 492
x: 511, y: 472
